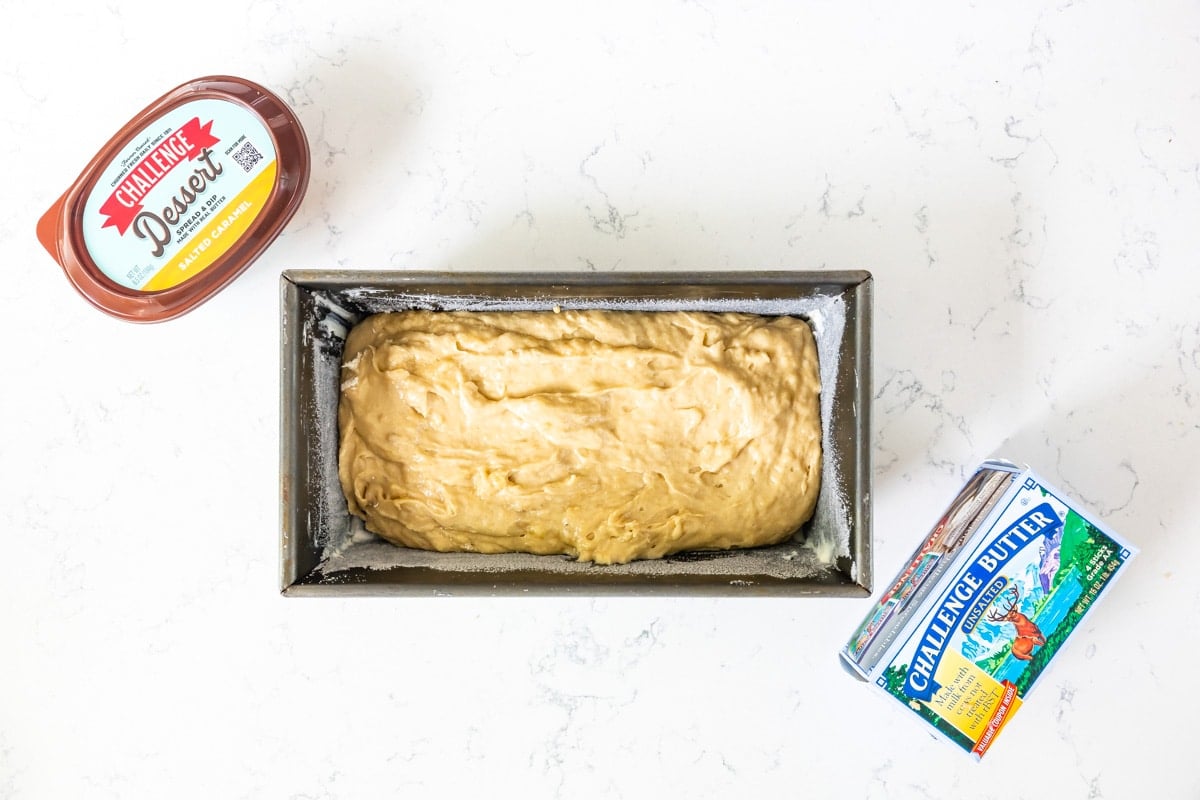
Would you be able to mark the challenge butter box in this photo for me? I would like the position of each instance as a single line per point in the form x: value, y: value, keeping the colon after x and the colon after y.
x: 985, y: 603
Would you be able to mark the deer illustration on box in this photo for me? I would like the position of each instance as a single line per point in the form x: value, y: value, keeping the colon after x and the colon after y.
x: 1028, y: 635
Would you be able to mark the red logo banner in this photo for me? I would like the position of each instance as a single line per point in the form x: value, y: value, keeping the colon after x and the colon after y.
x: 184, y: 144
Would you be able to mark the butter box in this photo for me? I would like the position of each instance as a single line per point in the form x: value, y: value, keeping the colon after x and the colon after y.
x: 984, y: 604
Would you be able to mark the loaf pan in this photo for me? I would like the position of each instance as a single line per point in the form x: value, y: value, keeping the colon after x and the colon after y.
x: 325, y: 551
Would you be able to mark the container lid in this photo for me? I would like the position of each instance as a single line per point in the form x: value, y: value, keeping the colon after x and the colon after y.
x: 181, y: 200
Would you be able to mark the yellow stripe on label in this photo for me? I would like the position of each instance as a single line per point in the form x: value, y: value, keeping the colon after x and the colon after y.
x: 969, y: 696
x: 219, y: 234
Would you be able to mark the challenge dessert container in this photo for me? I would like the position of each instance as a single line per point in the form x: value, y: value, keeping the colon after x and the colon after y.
x: 326, y: 551
x: 181, y: 200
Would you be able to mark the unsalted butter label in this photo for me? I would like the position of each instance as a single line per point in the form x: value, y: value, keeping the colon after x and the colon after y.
x: 184, y: 190
x: 1016, y: 566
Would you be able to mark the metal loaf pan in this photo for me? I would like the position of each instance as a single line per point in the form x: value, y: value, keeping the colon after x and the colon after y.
x: 325, y: 551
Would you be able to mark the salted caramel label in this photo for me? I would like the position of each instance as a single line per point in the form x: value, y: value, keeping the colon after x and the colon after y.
x: 184, y: 190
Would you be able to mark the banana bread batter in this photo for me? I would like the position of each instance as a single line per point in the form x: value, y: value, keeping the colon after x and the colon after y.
x: 605, y: 435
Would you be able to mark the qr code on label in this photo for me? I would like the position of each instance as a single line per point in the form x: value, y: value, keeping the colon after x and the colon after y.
x: 247, y: 156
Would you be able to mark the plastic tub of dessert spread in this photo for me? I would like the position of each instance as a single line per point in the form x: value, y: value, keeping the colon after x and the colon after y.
x: 181, y: 200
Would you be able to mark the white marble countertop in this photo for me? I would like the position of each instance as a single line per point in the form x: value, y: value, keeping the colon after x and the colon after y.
x: 1023, y: 180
